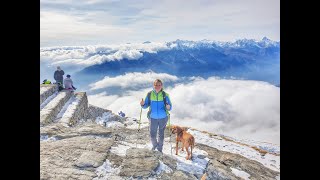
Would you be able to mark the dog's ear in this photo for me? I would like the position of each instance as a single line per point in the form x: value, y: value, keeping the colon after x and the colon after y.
x: 179, y: 129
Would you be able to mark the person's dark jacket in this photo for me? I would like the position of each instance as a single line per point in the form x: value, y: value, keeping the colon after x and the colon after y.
x: 58, y: 76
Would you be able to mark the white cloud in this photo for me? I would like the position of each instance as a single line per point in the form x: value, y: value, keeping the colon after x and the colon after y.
x: 84, y: 56
x: 75, y: 58
x: 130, y: 80
x: 96, y: 22
x: 103, y: 99
x: 237, y: 108
x: 58, y: 28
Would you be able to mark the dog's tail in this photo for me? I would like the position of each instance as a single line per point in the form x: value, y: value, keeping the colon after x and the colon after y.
x: 191, y: 143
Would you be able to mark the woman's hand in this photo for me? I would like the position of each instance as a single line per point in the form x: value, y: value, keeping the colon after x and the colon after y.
x: 142, y: 102
x: 168, y: 107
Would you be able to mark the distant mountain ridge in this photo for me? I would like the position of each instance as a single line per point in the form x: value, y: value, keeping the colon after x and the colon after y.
x: 241, y: 43
x: 246, y: 58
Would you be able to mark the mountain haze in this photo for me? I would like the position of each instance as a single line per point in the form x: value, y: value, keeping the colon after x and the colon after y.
x: 248, y: 59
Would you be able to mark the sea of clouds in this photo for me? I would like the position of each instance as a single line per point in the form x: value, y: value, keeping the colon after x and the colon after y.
x: 239, y: 108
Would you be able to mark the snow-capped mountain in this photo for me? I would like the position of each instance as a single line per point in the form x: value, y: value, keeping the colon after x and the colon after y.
x: 246, y: 58
x: 241, y: 43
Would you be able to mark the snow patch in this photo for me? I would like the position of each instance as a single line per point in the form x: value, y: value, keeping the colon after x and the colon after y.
x: 268, y: 160
x: 114, y: 124
x: 106, y: 171
x: 103, y: 118
x: 47, y: 138
x: 120, y: 150
x: 269, y: 147
x: 43, y: 89
x: 70, y: 109
x: 64, y: 108
x: 44, y: 103
x: 240, y: 173
x: 163, y: 168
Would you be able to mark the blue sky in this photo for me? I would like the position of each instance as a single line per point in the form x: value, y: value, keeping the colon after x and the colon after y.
x: 91, y: 22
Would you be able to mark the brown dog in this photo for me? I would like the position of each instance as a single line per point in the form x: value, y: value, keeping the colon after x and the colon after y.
x: 183, y: 136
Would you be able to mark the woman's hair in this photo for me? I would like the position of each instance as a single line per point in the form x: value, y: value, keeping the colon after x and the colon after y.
x: 156, y: 81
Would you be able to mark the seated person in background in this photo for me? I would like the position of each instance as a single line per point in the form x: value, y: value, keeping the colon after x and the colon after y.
x: 68, y: 83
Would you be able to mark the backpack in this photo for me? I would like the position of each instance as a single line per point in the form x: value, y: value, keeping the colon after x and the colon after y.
x: 46, y: 81
x: 60, y: 86
x: 149, y: 102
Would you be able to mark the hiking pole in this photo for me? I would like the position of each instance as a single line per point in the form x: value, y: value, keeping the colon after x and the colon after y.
x: 139, y: 126
x: 170, y: 135
x: 140, y: 119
